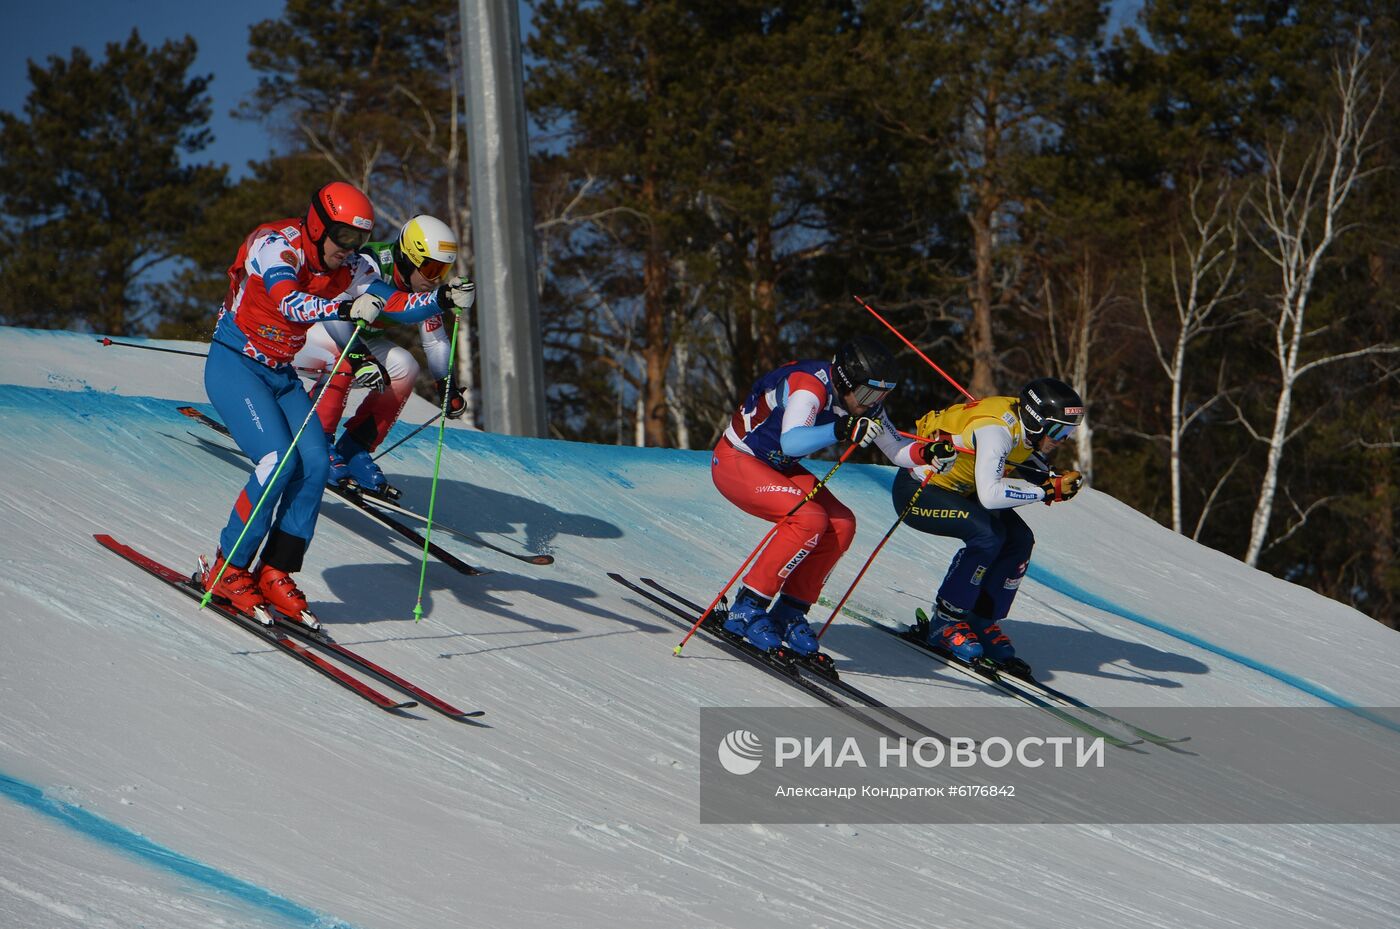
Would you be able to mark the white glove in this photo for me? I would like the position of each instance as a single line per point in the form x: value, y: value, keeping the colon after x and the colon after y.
x: 457, y: 294
x: 363, y: 309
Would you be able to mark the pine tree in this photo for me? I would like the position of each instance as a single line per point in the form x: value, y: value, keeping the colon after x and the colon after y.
x: 97, y: 192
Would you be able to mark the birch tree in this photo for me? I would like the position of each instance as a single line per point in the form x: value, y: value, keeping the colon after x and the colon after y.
x: 1302, y: 212
x: 1074, y: 300
x: 1201, y: 272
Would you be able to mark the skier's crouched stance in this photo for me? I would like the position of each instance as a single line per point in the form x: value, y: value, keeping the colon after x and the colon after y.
x: 975, y: 499
x: 793, y: 411
x: 283, y: 280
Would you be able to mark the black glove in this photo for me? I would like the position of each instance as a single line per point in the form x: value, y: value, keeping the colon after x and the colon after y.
x: 940, y: 456
x: 451, y: 394
x: 1059, y: 487
x: 858, y: 430
x: 367, y: 370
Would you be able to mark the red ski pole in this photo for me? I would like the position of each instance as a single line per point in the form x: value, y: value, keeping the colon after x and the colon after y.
x: 943, y: 437
x: 901, y: 338
x: 150, y: 348
x: 762, y: 542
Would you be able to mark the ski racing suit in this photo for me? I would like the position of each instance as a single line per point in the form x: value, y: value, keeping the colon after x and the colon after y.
x: 275, y: 295
x: 792, y: 412
x: 378, y: 411
x: 973, y: 501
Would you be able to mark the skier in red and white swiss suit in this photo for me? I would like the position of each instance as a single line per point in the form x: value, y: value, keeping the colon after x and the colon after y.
x: 800, y: 408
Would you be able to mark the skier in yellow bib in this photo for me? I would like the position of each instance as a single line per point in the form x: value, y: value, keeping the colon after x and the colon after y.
x: 975, y: 501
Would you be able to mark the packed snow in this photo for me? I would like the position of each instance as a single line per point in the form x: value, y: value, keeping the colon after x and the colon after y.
x: 162, y: 768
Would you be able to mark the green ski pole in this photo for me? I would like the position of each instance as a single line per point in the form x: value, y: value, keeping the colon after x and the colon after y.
x: 437, y: 465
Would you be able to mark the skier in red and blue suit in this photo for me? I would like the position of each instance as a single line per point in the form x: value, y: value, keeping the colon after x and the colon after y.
x: 288, y: 275
x: 800, y: 408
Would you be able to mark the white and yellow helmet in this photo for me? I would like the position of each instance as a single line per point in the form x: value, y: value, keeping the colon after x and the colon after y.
x: 425, y: 244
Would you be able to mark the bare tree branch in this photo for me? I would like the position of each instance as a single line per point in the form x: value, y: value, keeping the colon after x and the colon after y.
x: 1301, y: 209
x: 1302, y: 518
x: 1201, y: 283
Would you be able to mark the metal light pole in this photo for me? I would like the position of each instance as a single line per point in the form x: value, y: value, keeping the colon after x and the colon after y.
x: 503, y: 234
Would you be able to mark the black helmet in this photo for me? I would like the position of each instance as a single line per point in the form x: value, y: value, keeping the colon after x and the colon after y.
x: 1050, y: 407
x: 865, y: 368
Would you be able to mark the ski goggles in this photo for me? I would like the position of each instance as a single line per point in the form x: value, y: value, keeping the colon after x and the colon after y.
x: 1060, y: 431
x: 433, y: 270
x: 347, y: 236
x: 872, y: 392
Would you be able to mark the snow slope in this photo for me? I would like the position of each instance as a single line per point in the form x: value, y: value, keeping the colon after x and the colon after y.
x: 160, y: 768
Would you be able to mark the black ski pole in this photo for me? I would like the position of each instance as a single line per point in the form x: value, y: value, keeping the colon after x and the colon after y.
x: 180, y: 351
x: 409, y: 436
x: 151, y: 348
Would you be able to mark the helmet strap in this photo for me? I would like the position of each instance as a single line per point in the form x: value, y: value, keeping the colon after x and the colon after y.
x: 403, y: 268
x: 1031, y: 436
x: 320, y: 243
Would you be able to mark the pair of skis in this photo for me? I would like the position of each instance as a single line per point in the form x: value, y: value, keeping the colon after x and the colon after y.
x: 384, y: 503
x: 300, y: 642
x: 817, y: 681
x: 379, y: 508
x: 1028, y: 690
x: 826, y: 684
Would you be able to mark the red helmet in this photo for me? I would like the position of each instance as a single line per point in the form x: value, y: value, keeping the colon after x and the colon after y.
x: 340, y: 211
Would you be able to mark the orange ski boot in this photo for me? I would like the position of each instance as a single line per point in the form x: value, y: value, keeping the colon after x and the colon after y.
x: 235, y: 585
x: 283, y: 595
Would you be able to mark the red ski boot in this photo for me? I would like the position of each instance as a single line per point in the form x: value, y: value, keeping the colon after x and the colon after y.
x: 236, y: 586
x: 283, y: 596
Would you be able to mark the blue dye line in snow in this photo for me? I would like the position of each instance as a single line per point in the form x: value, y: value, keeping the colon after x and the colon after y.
x: 139, y: 847
x: 1070, y: 589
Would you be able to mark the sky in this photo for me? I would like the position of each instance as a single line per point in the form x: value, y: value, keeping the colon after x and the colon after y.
x: 221, y: 31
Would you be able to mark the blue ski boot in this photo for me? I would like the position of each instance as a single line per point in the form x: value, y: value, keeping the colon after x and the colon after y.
x: 789, y: 617
x: 996, y: 646
x: 749, y: 617
x: 362, y: 470
x: 949, y: 632
x: 339, y: 472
